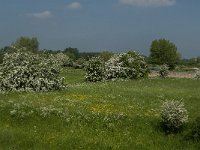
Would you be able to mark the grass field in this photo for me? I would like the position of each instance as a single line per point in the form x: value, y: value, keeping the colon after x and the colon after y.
x: 103, y: 115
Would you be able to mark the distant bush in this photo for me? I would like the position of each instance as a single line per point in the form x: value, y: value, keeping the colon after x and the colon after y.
x: 61, y: 59
x: 95, y: 69
x: 79, y: 63
x: 164, y: 71
x: 126, y: 65
x: 173, y: 115
x: 25, y: 71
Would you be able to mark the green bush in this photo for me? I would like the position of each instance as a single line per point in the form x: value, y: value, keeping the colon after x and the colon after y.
x: 25, y: 71
x: 164, y: 71
x: 173, y: 115
x: 94, y: 69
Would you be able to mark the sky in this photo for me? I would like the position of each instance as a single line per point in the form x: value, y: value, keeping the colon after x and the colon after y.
x: 97, y: 25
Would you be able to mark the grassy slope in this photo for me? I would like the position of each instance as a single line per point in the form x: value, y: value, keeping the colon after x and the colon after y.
x: 108, y: 115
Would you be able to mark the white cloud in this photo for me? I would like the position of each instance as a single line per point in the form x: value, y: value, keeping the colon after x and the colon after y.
x: 41, y: 15
x: 148, y: 3
x: 74, y: 6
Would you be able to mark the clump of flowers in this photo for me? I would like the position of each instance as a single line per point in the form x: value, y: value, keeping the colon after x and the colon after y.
x: 126, y: 65
x: 164, y: 71
x: 25, y: 71
x: 173, y: 115
x: 94, y: 69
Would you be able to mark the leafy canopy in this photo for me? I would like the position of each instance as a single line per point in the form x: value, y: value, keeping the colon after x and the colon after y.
x: 31, y: 44
x: 163, y: 51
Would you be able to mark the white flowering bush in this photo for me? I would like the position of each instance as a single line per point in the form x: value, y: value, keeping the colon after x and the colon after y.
x: 173, y: 115
x: 95, y: 69
x: 61, y: 59
x: 126, y: 65
x: 114, y: 67
x: 164, y: 71
x: 197, y: 75
x: 25, y: 71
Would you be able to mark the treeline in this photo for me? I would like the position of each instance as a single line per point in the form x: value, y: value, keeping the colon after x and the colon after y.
x: 162, y: 51
x: 32, y: 45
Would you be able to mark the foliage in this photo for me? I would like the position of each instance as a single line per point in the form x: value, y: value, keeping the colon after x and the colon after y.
x: 106, y: 55
x: 73, y: 53
x: 173, y: 115
x: 88, y: 55
x: 163, y: 51
x: 25, y: 71
x: 31, y: 44
x: 95, y: 69
x: 79, y: 63
x: 197, y: 75
x: 164, y: 71
x: 114, y: 67
x: 61, y: 59
x: 126, y: 65
x: 6, y: 49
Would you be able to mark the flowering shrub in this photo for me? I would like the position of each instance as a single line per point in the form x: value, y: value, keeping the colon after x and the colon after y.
x: 173, y: 115
x: 126, y: 65
x: 61, y: 59
x: 197, y: 75
x: 25, y: 71
x: 164, y: 71
x: 94, y: 69
x: 114, y: 67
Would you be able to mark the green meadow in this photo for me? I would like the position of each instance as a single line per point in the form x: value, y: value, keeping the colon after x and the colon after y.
x: 120, y: 114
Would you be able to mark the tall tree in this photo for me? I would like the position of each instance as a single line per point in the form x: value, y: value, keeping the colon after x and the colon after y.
x: 163, y: 51
x: 31, y: 44
x: 73, y: 53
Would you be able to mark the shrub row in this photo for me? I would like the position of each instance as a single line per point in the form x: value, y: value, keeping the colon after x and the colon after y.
x: 125, y: 65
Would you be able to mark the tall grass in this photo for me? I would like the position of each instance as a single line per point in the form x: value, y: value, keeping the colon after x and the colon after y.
x: 102, y: 115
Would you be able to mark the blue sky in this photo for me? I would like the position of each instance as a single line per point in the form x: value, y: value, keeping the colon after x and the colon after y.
x: 95, y: 25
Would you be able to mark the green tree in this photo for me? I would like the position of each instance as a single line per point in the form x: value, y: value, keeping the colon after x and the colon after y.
x: 163, y: 51
x: 198, y: 59
x: 106, y: 55
x: 73, y: 53
x: 31, y: 44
